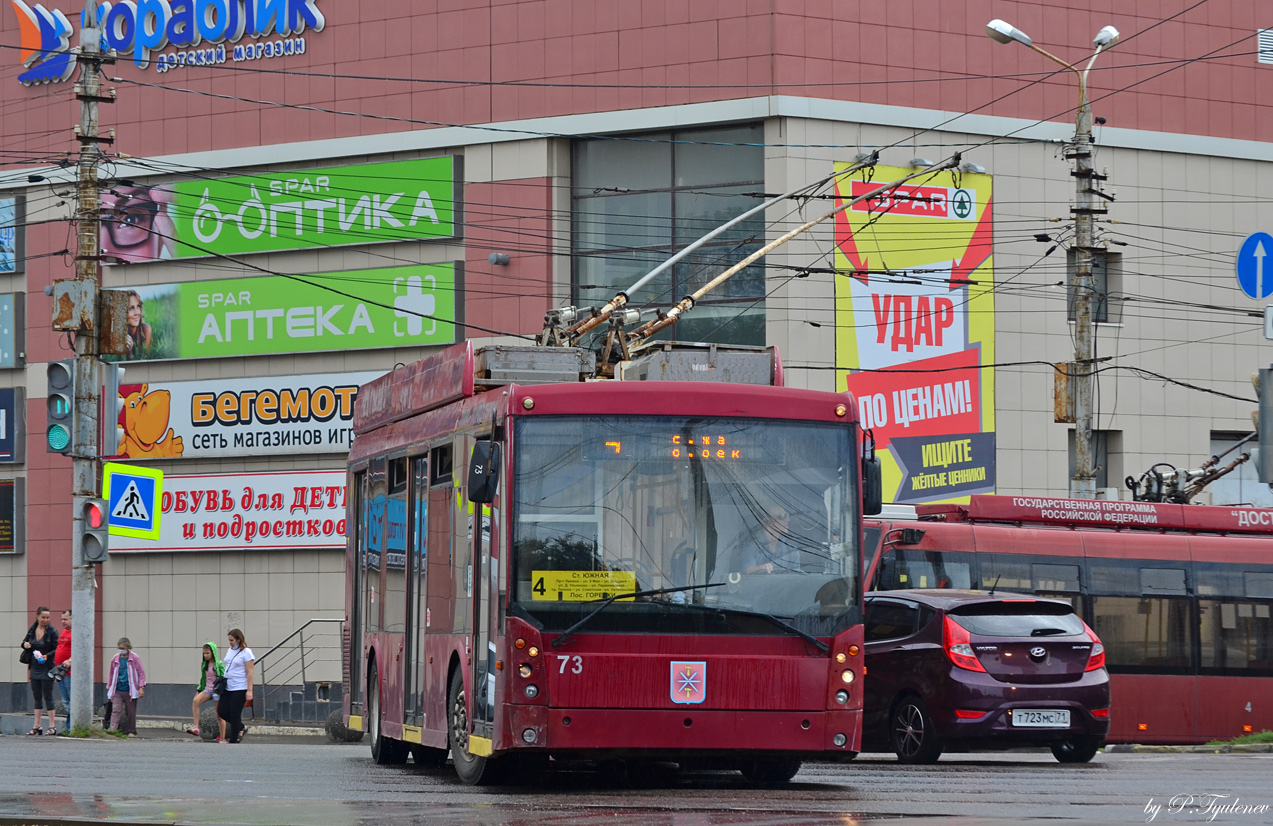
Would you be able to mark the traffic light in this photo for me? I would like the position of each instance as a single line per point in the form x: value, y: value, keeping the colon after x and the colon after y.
x: 112, y: 408
x: 95, y: 542
x: 61, y: 404
x: 1263, y: 382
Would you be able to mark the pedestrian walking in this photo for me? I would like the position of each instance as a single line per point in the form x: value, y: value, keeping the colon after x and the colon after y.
x: 239, y: 661
x: 61, y: 672
x: 209, y: 669
x: 125, y: 685
x: 38, y: 648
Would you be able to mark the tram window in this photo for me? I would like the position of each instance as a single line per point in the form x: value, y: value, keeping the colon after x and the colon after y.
x: 1235, y: 636
x: 1259, y: 585
x: 1145, y: 633
x: 1162, y: 581
x: 440, y: 465
x: 902, y: 570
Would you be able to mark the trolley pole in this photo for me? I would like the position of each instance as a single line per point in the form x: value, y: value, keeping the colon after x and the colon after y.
x: 85, y: 458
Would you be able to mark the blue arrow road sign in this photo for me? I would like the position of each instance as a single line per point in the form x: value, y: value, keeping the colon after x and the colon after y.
x: 1255, y: 272
x: 133, y: 497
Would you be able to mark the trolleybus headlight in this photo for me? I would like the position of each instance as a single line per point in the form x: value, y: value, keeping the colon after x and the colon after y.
x: 847, y: 675
x: 529, y: 735
x: 842, y: 696
x: 524, y: 670
x: 840, y: 657
x: 839, y: 740
x: 532, y: 691
x: 533, y: 651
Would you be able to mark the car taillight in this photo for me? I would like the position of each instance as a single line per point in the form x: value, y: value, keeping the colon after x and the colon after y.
x: 1100, y: 712
x: 958, y: 644
x: 1097, y: 659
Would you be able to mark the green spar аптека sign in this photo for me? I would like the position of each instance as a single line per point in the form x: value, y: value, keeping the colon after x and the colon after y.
x: 289, y: 210
x: 314, y: 312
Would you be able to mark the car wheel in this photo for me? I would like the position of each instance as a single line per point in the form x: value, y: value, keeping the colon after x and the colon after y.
x: 384, y: 750
x: 1077, y: 749
x: 473, y: 769
x: 770, y: 771
x: 913, y: 734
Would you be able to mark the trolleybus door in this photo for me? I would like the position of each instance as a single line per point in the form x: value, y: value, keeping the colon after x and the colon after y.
x: 417, y: 532
x: 356, y: 621
x: 482, y: 706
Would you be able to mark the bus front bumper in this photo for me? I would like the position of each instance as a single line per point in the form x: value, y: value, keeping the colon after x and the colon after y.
x: 690, y: 729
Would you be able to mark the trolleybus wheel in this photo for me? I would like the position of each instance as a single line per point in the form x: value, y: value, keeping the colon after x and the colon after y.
x: 383, y: 750
x: 913, y: 734
x: 1077, y: 749
x: 770, y: 771
x: 471, y: 768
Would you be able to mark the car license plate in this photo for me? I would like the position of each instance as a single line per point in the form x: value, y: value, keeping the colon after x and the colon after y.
x: 1041, y: 718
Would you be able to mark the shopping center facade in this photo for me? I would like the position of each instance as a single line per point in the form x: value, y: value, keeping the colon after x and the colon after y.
x: 299, y: 211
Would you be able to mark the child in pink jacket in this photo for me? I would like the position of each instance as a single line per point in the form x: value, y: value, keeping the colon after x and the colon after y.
x: 126, y: 683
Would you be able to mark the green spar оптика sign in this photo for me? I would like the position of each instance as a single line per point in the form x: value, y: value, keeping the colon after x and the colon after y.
x: 272, y: 211
x: 314, y: 312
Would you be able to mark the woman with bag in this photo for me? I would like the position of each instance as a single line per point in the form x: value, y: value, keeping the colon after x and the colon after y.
x: 126, y: 684
x: 211, y: 673
x: 38, y: 648
x: 238, y: 686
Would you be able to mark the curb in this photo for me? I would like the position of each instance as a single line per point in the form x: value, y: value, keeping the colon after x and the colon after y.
x: 1241, y: 748
x: 257, y: 728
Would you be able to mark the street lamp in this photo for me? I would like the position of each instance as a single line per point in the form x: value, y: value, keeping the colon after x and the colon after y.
x: 1087, y: 182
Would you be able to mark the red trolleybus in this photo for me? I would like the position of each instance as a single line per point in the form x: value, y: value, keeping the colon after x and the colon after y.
x: 1180, y: 595
x: 542, y: 565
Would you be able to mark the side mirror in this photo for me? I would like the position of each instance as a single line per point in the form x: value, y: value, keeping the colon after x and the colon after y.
x: 872, y: 486
x: 484, y: 472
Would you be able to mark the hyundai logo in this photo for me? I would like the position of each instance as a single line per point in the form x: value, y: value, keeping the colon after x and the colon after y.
x: 1038, y: 653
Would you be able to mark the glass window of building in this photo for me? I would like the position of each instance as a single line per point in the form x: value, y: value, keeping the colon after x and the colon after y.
x: 637, y: 201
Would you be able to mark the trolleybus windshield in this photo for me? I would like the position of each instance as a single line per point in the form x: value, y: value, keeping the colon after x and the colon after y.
x: 604, y: 505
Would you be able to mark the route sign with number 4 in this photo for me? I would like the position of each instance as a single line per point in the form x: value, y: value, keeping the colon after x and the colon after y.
x: 133, y: 496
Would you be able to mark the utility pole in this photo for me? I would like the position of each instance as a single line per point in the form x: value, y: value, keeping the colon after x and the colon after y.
x: 85, y: 459
x: 1083, y: 482
x: 1086, y: 190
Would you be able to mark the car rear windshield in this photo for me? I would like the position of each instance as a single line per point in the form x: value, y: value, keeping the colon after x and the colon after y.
x: 1018, y: 619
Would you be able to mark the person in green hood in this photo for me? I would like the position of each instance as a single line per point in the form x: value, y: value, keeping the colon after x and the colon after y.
x: 209, y: 669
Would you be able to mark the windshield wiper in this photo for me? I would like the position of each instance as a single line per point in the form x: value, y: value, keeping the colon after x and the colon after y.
x: 781, y: 623
x: 605, y: 603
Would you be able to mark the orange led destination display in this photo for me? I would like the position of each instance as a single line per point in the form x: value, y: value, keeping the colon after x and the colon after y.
x: 714, y: 447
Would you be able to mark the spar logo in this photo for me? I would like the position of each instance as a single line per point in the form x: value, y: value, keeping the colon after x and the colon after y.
x: 45, y: 44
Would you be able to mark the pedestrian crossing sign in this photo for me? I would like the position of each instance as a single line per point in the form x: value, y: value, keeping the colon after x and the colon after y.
x: 133, y: 496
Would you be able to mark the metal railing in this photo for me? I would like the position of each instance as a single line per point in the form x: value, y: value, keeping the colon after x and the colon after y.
x: 297, y: 656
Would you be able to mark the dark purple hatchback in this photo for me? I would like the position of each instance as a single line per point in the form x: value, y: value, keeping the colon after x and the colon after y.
x: 959, y: 670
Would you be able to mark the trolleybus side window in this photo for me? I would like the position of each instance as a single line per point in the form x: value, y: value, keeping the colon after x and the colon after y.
x: 1142, y: 615
x: 375, y: 504
x: 902, y: 569
x: 1235, y: 626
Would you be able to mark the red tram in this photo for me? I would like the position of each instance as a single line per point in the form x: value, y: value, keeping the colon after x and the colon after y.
x: 1180, y: 595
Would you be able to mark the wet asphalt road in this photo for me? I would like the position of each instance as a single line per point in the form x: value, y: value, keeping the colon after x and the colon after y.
x: 286, y: 782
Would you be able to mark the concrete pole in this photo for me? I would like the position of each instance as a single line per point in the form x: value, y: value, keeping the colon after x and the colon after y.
x: 1083, y: 482
x: 85, y: 461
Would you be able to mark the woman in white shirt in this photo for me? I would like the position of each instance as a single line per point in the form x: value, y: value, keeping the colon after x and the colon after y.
x: 239, y: 660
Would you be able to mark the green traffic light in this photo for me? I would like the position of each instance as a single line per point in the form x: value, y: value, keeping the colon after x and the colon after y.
x: 59, y: 437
